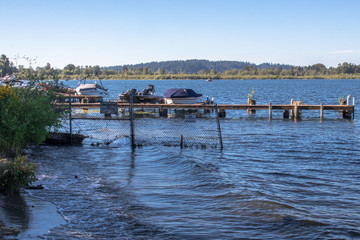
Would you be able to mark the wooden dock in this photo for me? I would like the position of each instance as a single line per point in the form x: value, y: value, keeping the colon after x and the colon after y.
x: 290, y: 110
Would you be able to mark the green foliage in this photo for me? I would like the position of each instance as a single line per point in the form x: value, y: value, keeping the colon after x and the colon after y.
x: 342, y: 100
x: 250, y: 95
x: 16, y: 174
x: 6, y: 67
x: 25, y: 117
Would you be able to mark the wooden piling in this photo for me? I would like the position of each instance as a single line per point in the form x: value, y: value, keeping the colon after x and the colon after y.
x: 321, y: 110
x: 270, y: 110
x: 295, y: 112
x: 132, y: 133
x: 222, y: 113
x: 218, y: 126
x: 70, y: 118
x: 346, y: 115
x: 286, y: 114
x: 251, y: 102
x: 163, y: 112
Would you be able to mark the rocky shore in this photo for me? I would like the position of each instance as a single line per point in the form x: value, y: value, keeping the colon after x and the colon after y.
x: 8, y: 231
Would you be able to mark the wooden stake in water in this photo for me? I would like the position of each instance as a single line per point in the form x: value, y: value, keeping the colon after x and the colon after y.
x: 219, y: 127
x: 132, y: 135
x: 70, y: 118
x: 322, y: 110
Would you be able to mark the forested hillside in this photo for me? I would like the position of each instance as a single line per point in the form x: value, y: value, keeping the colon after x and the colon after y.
x: 189, y: 69
x: 194, y: 66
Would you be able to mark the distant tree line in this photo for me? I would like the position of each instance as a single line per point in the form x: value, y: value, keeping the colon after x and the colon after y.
x: 190, y: 69
x: 194, y: 66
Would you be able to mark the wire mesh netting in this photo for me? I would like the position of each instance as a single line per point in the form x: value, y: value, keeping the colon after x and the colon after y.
x: 180, y: 128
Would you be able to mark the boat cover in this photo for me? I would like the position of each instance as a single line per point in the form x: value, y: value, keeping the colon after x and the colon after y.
x: 180, y: 93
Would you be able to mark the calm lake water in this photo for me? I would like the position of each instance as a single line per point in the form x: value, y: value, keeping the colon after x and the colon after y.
x: 278, y: 179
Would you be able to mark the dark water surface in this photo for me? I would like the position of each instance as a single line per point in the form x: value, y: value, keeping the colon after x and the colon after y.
x: 278, y: 179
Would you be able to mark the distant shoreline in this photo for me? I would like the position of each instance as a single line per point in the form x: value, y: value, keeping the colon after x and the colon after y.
x: 192, y: 77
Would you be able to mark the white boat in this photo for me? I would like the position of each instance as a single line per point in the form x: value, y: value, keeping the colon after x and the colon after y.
x: 209, y: 80
x: 8, y: 79
x: 94, y: 89
x: 182, y: 96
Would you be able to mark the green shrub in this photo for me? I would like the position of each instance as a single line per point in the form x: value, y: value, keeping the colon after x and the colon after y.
x: 16, y: 174
x: 26, y: 116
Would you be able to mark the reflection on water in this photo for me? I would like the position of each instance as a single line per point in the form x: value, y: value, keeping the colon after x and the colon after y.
x: 14, y: 211
x: 32, y: 216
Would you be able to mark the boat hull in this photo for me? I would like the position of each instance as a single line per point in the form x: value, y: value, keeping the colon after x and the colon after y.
x: 89, y: 89
x: 187, y: 100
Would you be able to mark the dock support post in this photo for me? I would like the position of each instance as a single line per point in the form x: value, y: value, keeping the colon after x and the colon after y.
x: 218, y: 126
x: 132, y: 134
x: 221, y: 112
x: 270, y: 110
x: 163, y: 112
x: 321, y: 110
x: 296, y: 111
x: 70, y: 118
x: 353, y: 113
x: 286, y: 114
x: 295, y: 114
x: 251, y: 102
x: 347, y: 114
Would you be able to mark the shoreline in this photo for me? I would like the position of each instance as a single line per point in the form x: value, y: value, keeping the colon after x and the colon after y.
x: 175, y: 78
x: 27, y: 217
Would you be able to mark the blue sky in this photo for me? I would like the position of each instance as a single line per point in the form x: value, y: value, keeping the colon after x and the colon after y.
x: 110, y: 32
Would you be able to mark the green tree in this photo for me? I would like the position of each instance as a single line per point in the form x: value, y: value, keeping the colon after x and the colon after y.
x: 26, y: 116
x: 160, y: 71
x: 346, y: 68
x: 6, y: 67
x: 96, y: 70
x: 70, y: 67
x: 145, y: 71
x: 212, y: 72
x: 202, y: 72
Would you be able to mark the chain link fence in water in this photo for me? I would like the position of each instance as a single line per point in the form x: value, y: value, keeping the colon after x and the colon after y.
x: 183, y: 128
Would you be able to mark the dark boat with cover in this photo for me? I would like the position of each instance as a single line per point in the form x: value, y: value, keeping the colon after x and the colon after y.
x: 182, y: 96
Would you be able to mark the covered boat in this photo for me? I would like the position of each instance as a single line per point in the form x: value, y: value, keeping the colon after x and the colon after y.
x: 182, y: 96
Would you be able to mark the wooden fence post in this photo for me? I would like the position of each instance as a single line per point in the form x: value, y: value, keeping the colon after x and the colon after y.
x: 70, y: 118
x: 270, y: 110
x: 321, y: 110
x: 132, y: 134
x: 218, y: 126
